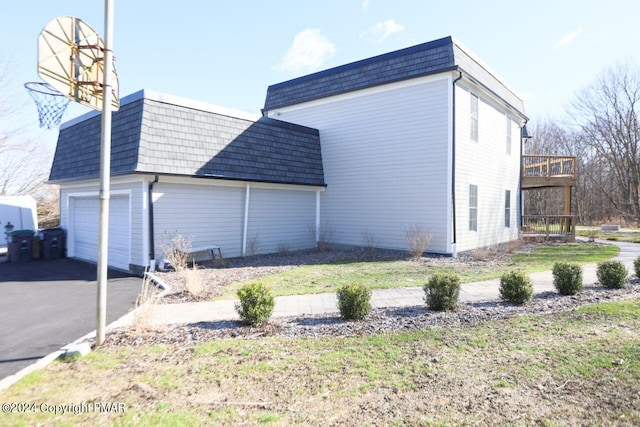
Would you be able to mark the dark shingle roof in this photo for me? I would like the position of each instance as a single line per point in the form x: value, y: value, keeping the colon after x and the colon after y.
x: 151, y: 135
x: 433, y: 57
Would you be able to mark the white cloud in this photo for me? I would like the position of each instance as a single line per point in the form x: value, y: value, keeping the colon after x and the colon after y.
x: 568, y: 38
x: 380, y: 31
x: 365, y: 4
x: 309, y: 51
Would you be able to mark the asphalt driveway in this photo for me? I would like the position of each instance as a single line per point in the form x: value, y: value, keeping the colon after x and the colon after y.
x: 45, y: 305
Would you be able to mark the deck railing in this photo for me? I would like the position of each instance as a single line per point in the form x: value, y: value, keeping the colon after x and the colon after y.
x: 549, y: 225
x: 548, y: 166
x: 548, y: 171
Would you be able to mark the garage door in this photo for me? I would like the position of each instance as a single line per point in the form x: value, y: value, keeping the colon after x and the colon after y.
x: 85, y: 230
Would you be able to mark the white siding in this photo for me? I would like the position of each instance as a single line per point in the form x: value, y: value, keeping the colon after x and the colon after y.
x: 281, y: 217
x: 205, y: 213
x: 486, y: 164
x: 385, y: 160
x: 213, y: 213
x: 208, y: 212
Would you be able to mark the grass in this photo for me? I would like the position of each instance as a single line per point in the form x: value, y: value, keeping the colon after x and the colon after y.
x: 580, y: 367
x: 624, y: 235
x: 321, y: 278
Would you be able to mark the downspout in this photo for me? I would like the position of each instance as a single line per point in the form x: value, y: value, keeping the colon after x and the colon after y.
x: 152, y: 243
x: 454, y: 243
x: 521, y: 205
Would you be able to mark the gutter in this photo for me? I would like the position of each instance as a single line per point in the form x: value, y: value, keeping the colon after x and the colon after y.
x: 152, y: 243
x: 453, y: 164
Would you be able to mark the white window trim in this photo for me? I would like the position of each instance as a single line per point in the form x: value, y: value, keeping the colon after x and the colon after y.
x: 507, y: 209
x: 474, y: 119
x: 473, y: 208
x: 509, y: 138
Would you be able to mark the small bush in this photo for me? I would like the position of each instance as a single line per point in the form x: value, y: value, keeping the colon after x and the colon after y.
x: 442, y: 291
x: 143, y: 317
x: 612, y: 274
x: 322, y: 235
x: 354, y: 301
x: 193, y: 281
x: 636, y: 267
x: 283, y: 248
x: 418, y: 239
x: 567, y: 278
x: 176, y: 250
x: 256, y: 303
x: 515, y: 288
x: 253, y: 244
x: 369, y: 240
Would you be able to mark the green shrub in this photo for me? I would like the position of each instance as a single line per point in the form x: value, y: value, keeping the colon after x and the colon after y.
x: 567, y: 278
x: 515, y: 287
x: 442, y: 291
x: 636, y: 267
x: 612, y: 274
x: 354, y: 301
x: 256, y: 303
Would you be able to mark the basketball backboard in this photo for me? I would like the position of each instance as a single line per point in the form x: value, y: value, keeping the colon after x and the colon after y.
x: 70, y: 58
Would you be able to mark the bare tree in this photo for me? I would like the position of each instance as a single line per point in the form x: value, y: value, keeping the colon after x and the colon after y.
x: 24, y: 163
x: 606, y: 116
x: 24, y: 167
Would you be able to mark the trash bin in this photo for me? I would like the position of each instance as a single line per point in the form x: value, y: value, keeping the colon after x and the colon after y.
x: 20, y: 245
x: 53, y: 243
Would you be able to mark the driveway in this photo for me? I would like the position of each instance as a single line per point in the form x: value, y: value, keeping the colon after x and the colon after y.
x: 45, y: 305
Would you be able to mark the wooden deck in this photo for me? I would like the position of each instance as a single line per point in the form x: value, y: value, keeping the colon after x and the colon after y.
x: 549, y: 226
x: 548, y: 171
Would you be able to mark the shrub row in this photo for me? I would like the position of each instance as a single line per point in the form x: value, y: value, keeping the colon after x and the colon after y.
x: 442, y: 291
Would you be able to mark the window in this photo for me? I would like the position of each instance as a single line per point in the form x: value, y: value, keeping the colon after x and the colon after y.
x: 508, y: 135
x: 507, y: 208
x: 474, y: 117
x: 473, y: 208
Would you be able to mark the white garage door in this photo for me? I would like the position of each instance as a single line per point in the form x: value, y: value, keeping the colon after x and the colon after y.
x: 85, y: 230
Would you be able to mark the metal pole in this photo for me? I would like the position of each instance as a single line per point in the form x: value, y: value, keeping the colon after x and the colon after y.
x: 105, y: 175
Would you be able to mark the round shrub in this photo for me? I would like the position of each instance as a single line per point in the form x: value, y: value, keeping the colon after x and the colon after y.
x: 515, y: 287
x: 354, y: 301
x: 636, y: 267
x: 256, y: 303
x: 567, y: 278
x: 442, y: 291
x: 612, y: 274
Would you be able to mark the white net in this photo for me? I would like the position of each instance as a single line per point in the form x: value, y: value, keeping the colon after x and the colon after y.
x: 51, y: 103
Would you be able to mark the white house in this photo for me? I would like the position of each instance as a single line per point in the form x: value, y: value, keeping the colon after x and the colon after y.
x: 426, y: 136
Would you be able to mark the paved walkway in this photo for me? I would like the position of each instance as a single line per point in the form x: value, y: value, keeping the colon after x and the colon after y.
x: 296, y: 305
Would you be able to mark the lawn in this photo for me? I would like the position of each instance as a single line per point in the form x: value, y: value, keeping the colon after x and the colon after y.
x: 320, y: 278
x: 624, y: 235
x: 574, y: 368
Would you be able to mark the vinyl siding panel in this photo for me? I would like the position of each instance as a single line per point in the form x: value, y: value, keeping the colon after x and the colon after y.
x: 209, y: 215
x: 486, y: 164
x: 281, y: 217
x: 213, y: 214
x: 385, y: 157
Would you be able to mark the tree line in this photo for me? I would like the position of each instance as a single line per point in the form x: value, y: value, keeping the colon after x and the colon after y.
x: 602, y: 129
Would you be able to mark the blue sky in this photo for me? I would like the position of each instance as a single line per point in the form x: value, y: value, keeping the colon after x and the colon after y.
x: 228, y: 52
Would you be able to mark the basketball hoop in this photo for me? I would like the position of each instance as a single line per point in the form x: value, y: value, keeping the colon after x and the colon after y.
x: 51, y: 103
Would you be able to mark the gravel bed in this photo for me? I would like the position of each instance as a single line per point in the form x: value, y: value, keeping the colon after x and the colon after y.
x: 379, y: 321
x: 243, y: 269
